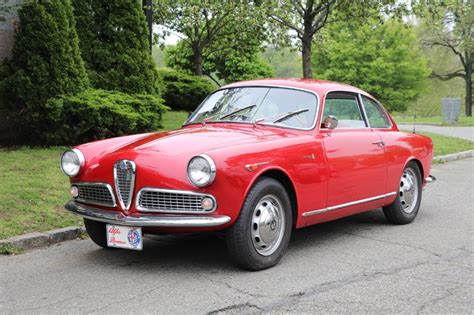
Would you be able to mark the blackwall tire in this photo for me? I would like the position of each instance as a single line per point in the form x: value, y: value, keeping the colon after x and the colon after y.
x: 260, y: 236
x: 407, y: 204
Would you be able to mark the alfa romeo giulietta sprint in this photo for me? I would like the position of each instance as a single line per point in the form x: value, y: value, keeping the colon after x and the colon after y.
x: 256, y: 159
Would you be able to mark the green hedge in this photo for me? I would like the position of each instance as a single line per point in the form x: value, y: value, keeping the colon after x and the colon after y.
x: 182, y: 91
x: 98, y: 114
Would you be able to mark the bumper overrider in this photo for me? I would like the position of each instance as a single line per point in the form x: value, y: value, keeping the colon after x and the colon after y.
x: 145, y: 220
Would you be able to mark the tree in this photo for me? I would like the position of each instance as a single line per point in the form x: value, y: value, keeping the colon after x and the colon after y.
x: 305, y: 18
x: 454, y: 31
x: 205, y: 25
x: 379, y: 58
x: 114, y: 42
x: 46, y: 62
x: 227, y: 65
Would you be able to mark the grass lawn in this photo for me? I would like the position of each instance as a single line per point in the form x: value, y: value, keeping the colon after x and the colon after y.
x: 446, y: 145
x: 435, y: 120
x: 33, y: 190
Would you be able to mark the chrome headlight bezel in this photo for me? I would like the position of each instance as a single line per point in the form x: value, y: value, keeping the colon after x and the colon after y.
x: 211, y: 175
x: 79, y: 162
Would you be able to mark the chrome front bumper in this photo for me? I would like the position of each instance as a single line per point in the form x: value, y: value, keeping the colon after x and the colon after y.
x: 114, y: 217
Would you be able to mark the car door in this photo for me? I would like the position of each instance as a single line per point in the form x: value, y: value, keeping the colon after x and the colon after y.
x: 354, y: 153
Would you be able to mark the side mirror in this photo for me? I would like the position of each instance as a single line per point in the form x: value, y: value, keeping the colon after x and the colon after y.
x: 330, y: 122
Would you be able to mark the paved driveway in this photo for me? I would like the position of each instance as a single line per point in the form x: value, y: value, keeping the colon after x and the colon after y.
x: 459, y: 132
x: 358, y: 264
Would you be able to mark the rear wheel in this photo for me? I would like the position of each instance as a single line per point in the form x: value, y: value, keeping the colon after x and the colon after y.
x: 96, y: 231
x: 260, y: 236
x: 405, y: 208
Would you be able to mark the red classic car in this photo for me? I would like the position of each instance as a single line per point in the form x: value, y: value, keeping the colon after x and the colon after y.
x: 256, y: 159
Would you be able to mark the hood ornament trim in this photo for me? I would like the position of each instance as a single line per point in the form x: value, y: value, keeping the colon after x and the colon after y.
x: 124, y: 180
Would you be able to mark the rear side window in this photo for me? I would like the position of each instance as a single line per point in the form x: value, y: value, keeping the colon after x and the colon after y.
x: 376, y: 115
x: 345, y: 108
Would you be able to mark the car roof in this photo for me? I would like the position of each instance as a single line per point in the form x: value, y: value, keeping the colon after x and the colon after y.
x: 320, y: 87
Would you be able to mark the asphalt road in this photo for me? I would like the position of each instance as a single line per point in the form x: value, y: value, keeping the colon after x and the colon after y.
x: 358, y: 264
x: 458, y: 132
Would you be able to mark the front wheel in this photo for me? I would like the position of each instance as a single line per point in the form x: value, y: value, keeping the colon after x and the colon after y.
x: 260, y: 236
x: 405, y: 208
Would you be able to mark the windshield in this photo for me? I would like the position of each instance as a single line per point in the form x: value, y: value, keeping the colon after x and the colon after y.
x: 263, y: 105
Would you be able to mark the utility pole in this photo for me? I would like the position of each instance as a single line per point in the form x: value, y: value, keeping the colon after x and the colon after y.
x: 148, y: 10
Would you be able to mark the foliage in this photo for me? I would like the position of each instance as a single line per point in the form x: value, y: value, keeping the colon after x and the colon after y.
x: 378, y: 58
x: 182, y: 91
x: 285, y: 62
x: 228, y: 65
x: 114, y: 42
x: 99, y: 114
x: 213, y: 30
x: 451, y: 28
x: 46, y: 63
x: 296, y: 22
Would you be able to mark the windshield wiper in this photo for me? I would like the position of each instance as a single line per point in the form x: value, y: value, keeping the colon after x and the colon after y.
x: 289, y: 114
x: 237, y: 111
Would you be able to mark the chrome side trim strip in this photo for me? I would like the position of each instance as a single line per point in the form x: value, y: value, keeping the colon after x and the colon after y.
x: 118, y: 218
x: 172, y: 191
x: 345, y: 205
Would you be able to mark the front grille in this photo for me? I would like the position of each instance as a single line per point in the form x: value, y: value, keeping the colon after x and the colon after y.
x: 172, y: 201
x: 95, y: 193
x: 124, y: 174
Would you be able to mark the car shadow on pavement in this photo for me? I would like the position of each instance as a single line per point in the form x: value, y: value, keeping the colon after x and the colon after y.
x: 194, y: 252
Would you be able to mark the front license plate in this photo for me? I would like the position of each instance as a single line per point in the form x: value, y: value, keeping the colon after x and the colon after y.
x: 124, y: 237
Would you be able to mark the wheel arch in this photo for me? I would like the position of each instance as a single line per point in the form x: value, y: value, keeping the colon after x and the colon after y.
x: 420, y: 167
x: 287, y: 183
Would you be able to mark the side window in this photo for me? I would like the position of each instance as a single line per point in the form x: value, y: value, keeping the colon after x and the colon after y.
x: 376, y: 116
x: 345, y: 108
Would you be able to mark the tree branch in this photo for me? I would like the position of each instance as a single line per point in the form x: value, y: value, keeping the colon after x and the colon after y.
x: 449, y: 76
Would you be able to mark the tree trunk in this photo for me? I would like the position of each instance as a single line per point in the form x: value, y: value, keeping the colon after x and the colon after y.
x: 306, y: 56
x: 468, y: 99
x: 197, y: 62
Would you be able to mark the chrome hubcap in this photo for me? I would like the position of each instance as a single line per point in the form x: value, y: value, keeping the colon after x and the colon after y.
x: 408, y: 193
x: 268, y: 225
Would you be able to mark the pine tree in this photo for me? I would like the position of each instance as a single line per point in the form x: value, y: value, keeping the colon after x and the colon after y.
x: 46, y: 62
x: 114, y: 43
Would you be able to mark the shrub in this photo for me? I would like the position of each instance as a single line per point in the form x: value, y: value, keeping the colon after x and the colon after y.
x: 182, y: 91
x: 46, y: 62
x: 98, y: 114
x: 113, y: 38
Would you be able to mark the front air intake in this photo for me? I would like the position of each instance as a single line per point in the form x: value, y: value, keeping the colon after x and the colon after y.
x: 124, y: 177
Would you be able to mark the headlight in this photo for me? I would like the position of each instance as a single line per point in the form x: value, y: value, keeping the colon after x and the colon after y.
x: 72, y: 161
x: 201, y: 170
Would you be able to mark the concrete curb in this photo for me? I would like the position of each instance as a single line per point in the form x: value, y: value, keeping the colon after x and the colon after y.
x: 37, y: 240
x: 454, y: 156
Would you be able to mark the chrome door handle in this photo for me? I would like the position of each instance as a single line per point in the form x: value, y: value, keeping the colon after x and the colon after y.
x: 379, y: 143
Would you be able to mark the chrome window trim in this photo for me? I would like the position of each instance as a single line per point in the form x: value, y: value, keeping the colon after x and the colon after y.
x: 348, y: 204
x: 125, y: 207
x: 109, y: 188
x: 263, y: 124
x: 212, y: 165
x: 382, y: 109
x: 356, y: 94
x: 173, y: 191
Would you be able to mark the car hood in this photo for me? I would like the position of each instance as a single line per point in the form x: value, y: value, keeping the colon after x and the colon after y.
x: 198, y: 139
